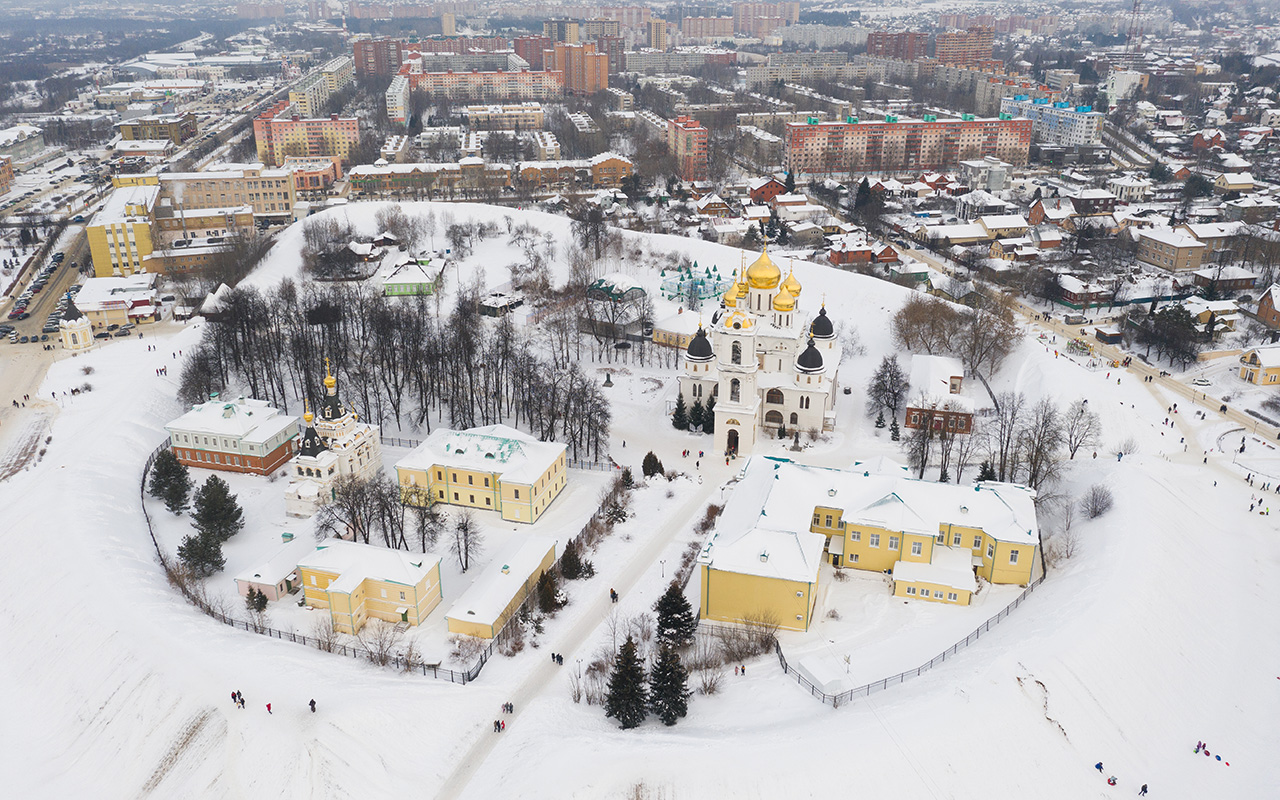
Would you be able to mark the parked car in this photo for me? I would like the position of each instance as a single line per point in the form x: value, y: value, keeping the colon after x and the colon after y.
x: 23, y: 340
x: 121, y: 332
x: 1200, y: 382
x: 103, y: 335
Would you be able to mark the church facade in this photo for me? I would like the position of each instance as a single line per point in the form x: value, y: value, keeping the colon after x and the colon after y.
x: 767, y: 365
x: 335, y: 443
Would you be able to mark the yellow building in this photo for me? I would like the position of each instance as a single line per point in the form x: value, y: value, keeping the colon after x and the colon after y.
x: 120, y: 234
x: 935, y: 539
x: 356, y: 582
x: 1261, y: 365
x: 486, y: 606
x: 494, y: 468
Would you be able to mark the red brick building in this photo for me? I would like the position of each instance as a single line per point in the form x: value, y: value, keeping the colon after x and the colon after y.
x: 378, y: 58
x: 1269, y: 307
x: 687, y: 141
x: 905, y: 45
x: 530, y: 49
x: 234, y: 436
x: 763, y: 190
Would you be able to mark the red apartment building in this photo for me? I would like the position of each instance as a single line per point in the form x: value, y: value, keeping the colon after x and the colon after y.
x: 378, y: 58
x: 905, y: 45
x: 687, y: 141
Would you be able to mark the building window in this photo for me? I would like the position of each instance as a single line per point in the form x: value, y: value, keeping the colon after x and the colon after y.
x: 853, y: 558
x: 455, y: 497
x: 977, y: 542
x: 875, y: 540
x: 828, y: 520
x: 893, y: 542
x: 937, y: 593
x: 470, y: 480
x: 911, y: 590
x: 917, y: 548
x: 816, y: 521
x: 517, y: 491
x: 991, y: 550
x: 956, y: 540
x: 1013, y: 556
x: 951, y: 596
x: 855, y: 536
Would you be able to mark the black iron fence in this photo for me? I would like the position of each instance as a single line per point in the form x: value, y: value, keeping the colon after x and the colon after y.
x: 866, y: 690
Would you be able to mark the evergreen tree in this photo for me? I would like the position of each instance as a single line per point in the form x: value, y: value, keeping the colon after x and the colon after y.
x: 789, y: 185
x: 571, y: 562
x: 680, y: 419
x: 880, y: 420
x: 548, y: 593
x: 217, y: 513
x: 709, y: 417
x: 782, y: 431
x: 676, y: 621
x: 669, y: 687
x: 201, y: 554
x: 651, y: 465
x: 986, y: 472
x: 944, y: 476
x: 628, y: 482
x: 627, y: 699
x: 696, y: 413
x: 894, y: 432
x: 255, y: 600
x: 170, y: 481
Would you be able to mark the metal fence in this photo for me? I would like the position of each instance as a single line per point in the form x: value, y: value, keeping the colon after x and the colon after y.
x: 837, y: 700
x: 573, y: 463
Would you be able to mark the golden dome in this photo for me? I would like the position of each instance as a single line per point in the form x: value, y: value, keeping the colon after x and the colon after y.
x: 763, y: 273
x: 731, y: 296
x: 784, y: 300
x: 307, y: 417
x: 329, y: 381
x: 791, y: 284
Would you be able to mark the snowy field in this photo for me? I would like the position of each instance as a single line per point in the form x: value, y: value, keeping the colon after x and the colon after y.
x: 1157, y: 634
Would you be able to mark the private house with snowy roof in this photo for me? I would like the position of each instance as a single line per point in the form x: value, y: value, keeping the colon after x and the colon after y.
x: 242, y: 435
x: 1269, y: 307
x: 765, y: 364
x: 334, y: 443
x: 1261, y: 365
x: 935, y: 540
x: 356, y: 582
x: 937, y: 399
x: 493, y: 468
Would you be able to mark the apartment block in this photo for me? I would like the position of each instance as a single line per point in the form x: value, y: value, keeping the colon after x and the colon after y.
x: 907, y: 145
x: 761, y: 19
x: 489, y: 86
x: 593, y: 29
x: 1056, y: 123
x: 339, y: 73
x: 906, y: 45
x: 398, y: 100
x: 561, y: 31
x: 530, y: 48
x: 969, y: 47
x: 177, y: 128
x: 987, y: 94
x: 707, y: 27
x: 378, y: 58
x: 656, y: 34
x: 687, y: 140
x: 585, y: 71
x: 6, y: 174
x: 515, y: 116
x: 310, y: 95
x: 281, y: 131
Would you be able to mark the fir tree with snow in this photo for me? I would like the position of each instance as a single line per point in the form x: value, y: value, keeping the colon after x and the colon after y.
x: 255, y: 600
x: 895, y: 433
x: 217, y: 513
x: 696, y: 414
x: 549, y: 598
x: 651, y: 465
x: 680, y: 419
x: 709, y: 417
x: 880, y: 420
x: 986, y: 472
x: 202, y: 554
x: 676, y: 621
x: 571, y: 562
x: 669, y: 687
x: 627, y: 698
x: 628, y: 481
x: 170, y: 481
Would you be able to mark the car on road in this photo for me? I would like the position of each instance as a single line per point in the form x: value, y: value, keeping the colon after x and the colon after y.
x: 113, y: 327
x: 1200, y: 382
x: 103, y: 335
x: 121, y: 332
x: 43, y: 338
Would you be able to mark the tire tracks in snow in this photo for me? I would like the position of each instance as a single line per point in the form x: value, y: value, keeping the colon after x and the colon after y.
x: 195, y: 729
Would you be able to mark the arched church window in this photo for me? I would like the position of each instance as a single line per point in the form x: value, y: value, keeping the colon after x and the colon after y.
x: 735, y: 390
x: 735, y: 355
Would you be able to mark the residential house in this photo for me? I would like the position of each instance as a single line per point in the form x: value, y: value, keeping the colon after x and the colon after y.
x: 1213, y: 316
x: 763, y: 190
x: 1173, y: 250
x: 1269, y: 307
x: 278, y: 576
x: 1129, y: 188
x: 1252, y: 208
x: 489, y: 603
x: 1225, y: 278
x: 1079, y: 294
x: 712, y: 206
x: 1261, y: 365
x: 1053, y: 211
x: 1217, y: 236
x: 1003, y: 226
x: 1233, y: 182
x: 357, y: 582
x: 937, y: 399
x: 1093, y: 202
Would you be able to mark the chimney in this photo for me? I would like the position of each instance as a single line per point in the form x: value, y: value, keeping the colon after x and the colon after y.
x: 764, y: 555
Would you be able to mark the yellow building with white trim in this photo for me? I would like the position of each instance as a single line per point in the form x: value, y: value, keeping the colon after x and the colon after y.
x: 486, y: 606
x: 356, y: 582
x: 494, y: 468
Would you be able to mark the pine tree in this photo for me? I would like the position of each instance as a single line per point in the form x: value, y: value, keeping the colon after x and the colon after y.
x: 651, y: 465
x: 986, y: 472
x: 628, y: 482
x: 170, y: 481
x: 676, y: 621
x: 201, y: 554
x: 669, y: 687
x: 709, y: 417
x: 895, y: 433
x: 680, y: 419
x: 627, y: 699
x: 696, y: 414
x: 789, y: 185
x: 782, y: 431
x: 216, y: 511
x: 548, y: 593
x: 880, y: 420
x: 255, y: 600
x: 571, y: 562
x: 944, y: 476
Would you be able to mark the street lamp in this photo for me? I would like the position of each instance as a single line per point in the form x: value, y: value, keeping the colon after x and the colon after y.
x: 579, y: 669
x: 663, y: 562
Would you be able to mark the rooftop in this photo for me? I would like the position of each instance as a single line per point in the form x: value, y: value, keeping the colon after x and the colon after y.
x: 354, y: 563
x: 515, y: 456
x: 248, y: 420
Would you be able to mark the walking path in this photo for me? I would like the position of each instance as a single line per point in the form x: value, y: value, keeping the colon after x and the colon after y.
x: 594, y: 615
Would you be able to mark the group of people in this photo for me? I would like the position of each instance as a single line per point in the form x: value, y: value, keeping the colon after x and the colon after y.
x: 500, y: 725
x: 1203, y: 747
x: 1111, y: 780
x: 557, y: 659
x: 237, y: 700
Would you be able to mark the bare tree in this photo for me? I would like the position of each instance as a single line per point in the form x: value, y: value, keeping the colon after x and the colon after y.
x: 1097, y: 501
x: 352, y: 513
x: 920, y: 442
x: 428, y: 522
x: 381, y: 639
x: 888, y: 388
x: 1081, y: 427
x: 1004, y: 441
x: 467, y: 542
x: 323, y: 632
x: 1042, y: 439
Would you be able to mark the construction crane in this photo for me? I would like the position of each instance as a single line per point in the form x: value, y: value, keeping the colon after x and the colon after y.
x: 1135, y: 29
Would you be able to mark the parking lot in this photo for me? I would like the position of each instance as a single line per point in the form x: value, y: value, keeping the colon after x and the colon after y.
x: 57, y: 278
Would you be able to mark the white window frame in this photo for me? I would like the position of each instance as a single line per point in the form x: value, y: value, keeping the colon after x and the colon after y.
x: 952, y: 597
x: 917, y: 548
x: 893, y: 542
x: 991, y: 550
x: 875, y: 540
x: 1013, y: 556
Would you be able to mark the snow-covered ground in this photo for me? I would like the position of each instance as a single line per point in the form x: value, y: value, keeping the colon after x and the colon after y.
x: 1158, y: 633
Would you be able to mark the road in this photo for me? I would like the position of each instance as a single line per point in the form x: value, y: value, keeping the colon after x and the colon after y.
x: 577, y: 637
x: 1136, y: 368
x: 42, y: 304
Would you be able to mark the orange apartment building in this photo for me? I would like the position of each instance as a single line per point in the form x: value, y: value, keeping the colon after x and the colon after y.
x: 687, y: 141
x: 904, y: 45
x: 585, y: 71
x: 761, y: 19
x: 707, y: 27
x: 907, y: 145
x: 492, y: 86
x: 966, y: 48
x: 280, y: 132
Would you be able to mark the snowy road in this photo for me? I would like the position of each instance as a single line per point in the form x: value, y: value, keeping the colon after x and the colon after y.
x: 577, y: 636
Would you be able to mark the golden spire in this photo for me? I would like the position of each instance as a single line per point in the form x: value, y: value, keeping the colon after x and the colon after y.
x: 330, y: 382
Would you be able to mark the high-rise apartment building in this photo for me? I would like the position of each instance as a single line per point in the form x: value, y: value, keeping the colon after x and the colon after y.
x: 561, y: 30
x: 905, y: 45
x: 281, y: 131
x: 530, y: 48
x: 687, y: 140
x: 585, y: 71
x: 761, y: 19
x: 707, y: 27
x: 908, y: 145
x: 964, y: 47
x: 656, y: 34
x: 1056, y: 123
x: 593, y: 29
x: 378, y: 58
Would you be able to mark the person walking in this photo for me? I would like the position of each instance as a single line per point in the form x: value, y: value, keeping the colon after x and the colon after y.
x: 1098, y: 766
x: 268, y: 708
x: 313, y: 705
x: 1143, y: 791
x: 233, y: 698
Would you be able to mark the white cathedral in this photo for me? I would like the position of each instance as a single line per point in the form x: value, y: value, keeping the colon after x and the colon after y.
x: 335, y: 443
x: 764, y: 365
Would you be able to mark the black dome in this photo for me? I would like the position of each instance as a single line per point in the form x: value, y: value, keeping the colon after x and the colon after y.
x: 312, y: 444
x: 700, y: 347
x: 810, y: 360
x: 821, y: 326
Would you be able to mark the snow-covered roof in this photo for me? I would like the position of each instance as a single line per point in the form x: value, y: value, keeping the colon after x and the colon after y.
x: 1226, y: 272
x: 279, y: 566
x: 931, y: 377
x: 1267, y: 356
x: 1171, y: 237
x: 1002, y: 221
x: 950, y: 566
x: 489, y: 596
x: 1237, y: 178
x: 100, y: 294
x: 1212, y: 230
x: 514, y: 456
x: 16, y: 133
x: 245, y: 419
x: 355, y: 562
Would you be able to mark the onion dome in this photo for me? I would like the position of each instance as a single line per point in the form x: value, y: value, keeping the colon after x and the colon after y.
x: 810, y: 361
x: 784, y: 300
x: 763, y: 273
x: 791, y: 284
x: 331, y: 407
x: 821, y: 326
x: 699, y: 349
x: 312, y: 444
x: 730, y: 297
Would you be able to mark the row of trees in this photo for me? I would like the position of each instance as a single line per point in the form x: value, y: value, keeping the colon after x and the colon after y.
x: 980, y: 337
x: 216, y: 514
x: 630, y: 697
